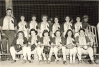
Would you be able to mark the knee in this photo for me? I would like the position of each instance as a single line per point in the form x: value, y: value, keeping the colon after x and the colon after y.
x: 63, y: 48
x: 90, y: 49
x: 11, y: 48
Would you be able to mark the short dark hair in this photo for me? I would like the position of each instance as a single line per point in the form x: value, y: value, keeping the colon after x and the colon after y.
x: 34, y: 31
x: 57, y: 31
x: 33, y: 15
x: 46, y: 31
x: 44, y: 15
x: 56, y: 17
x: 9, y: 9
x: 22, y: 33
x: 82, y: 29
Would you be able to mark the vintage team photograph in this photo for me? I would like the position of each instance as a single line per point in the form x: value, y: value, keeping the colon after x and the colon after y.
x: 49, y: 33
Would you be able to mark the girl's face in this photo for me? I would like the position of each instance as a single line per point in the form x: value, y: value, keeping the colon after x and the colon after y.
x: 67, y: 19
x: 56, y: 20
x: 34, y: 18
x: 78, y: 19
x: 81, y: 33
x: 46, y: 34
x: 44, y: 19
x: 33, y: 33
x: 58, y: 34
x: 20, y: 35
x: 22, y: 18
x: 69, y: 34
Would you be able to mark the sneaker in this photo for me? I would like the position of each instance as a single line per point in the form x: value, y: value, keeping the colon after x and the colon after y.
x: 30, y: 61
x: 13, y: 61
x: 80, y: 62
x: 24, y: 61
x: 48, y: 62
x: 93, y: 63
x: 64, y: 62
x: 57, y: 61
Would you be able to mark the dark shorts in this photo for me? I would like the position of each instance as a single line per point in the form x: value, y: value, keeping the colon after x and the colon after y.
x: 46, y: 49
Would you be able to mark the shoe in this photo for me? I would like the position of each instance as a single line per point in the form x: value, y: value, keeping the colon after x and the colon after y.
x: 45, y: 61
x: 93, y: 63
x: 48, y: 62
x: 13, y: 61
x: 80, y: 62
x: 57, y: 61
x: 39, y: 61
x: 30, y: 61
x: 64, y: 62
x: 24, y: 61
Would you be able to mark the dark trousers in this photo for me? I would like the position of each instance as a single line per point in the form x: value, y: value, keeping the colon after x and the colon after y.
x: 10, y: 34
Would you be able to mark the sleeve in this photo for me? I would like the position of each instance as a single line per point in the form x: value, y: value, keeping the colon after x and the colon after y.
x: 25, y: 40
x: 37, y: 26
x: 41, y: 40
x: 38, y: 39
x: 28, y: 25
x: 29, y: 39
x: 63, y: 41
x: 62, y: 27
x: 53, y: 40
x: 15, y: 22
x: 1, y: 21
x: 87, y: 39
x: 77, y: 39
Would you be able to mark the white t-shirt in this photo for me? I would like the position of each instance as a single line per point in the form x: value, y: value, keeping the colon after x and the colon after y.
x: 8, y: 23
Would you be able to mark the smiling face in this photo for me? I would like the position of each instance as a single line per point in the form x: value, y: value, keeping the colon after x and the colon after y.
x: 82, y: 33
x: 56, y: 20
x: 44, y: 18
x: 57, y: 34
x: 45, y: 34
x: 78, y: 19
x: 69, y: 33
x: 33, y: 33
x: 22, y: 18
x: 67, y: 19
x: 33, y: 18
x: 20, y: 35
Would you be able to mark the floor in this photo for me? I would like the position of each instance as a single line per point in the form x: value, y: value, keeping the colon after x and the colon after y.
x: 18, y: 63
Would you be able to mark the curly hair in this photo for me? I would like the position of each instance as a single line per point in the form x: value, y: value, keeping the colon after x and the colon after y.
x: 34, y: 31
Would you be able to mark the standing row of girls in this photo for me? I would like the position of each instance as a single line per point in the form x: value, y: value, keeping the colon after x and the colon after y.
x: 47, y: 38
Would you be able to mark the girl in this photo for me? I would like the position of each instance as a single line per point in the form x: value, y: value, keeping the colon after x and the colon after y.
x: 45, y: 44
x: 22, y: 26
x: 19, y: 46
x: 56, y: 46
x: 77, y: 26
x: 67, y: 25
x: 69, y: 47
x: 44, y: 25
x: 33, y: 44
x: 56, y: 26
x: 33, y: 23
